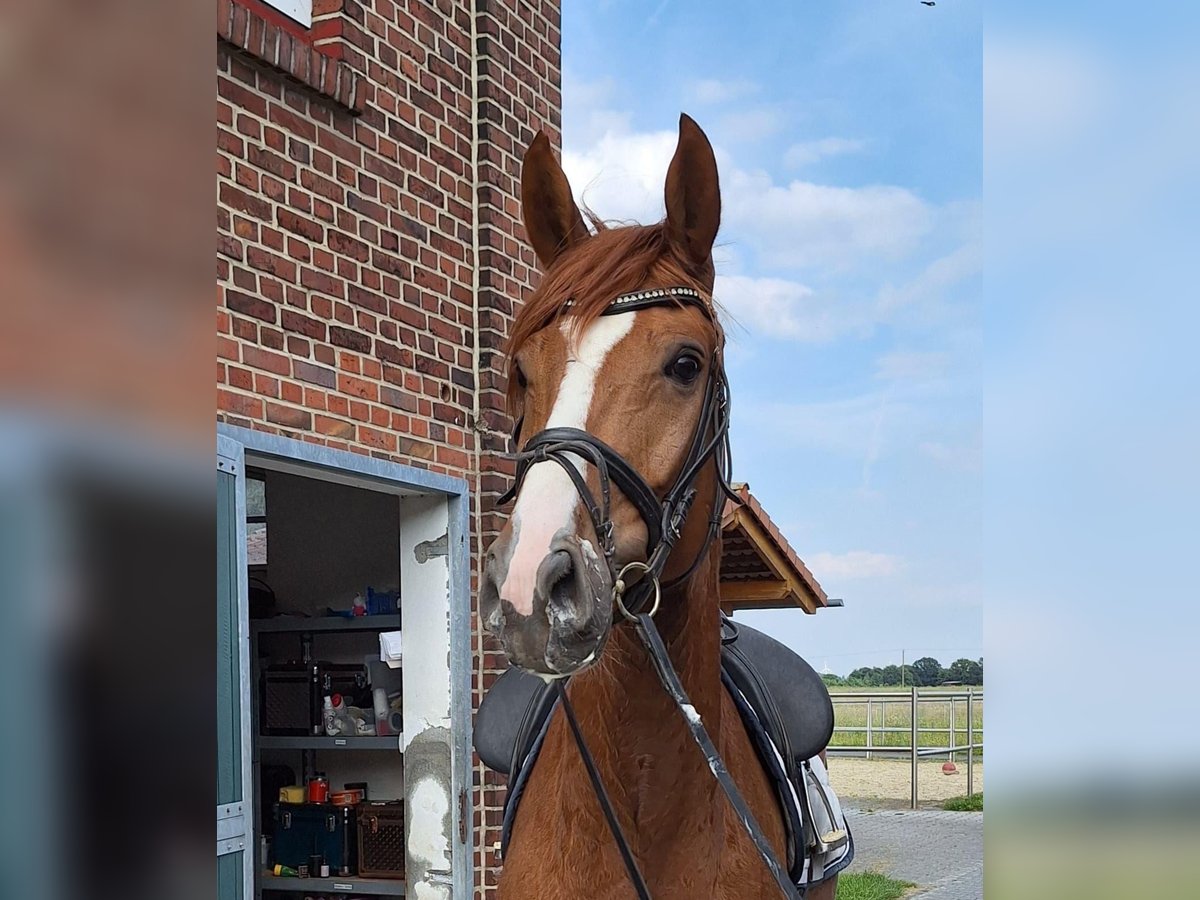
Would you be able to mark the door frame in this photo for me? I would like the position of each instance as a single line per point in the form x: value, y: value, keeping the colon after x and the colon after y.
x: 341, y: 466
x: 235, y: 821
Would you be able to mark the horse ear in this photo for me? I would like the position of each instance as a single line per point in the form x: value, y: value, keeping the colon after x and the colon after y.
x: 693, y: 196
x: 552, y: 219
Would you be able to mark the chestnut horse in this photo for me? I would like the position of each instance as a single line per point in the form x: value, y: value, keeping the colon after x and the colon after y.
x: 635, y: 381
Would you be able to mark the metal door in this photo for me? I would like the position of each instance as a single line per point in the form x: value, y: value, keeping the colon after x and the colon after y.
x: 235, y: 852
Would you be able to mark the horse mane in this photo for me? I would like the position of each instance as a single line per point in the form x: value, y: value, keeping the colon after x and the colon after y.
x: 610, y: 262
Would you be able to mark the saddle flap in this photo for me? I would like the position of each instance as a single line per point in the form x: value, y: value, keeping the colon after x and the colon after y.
x: 786, y: 692
x: 503, y: 721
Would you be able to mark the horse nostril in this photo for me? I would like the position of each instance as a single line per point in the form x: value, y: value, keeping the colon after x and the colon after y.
x: 562, y: 590
x: 555, y: 570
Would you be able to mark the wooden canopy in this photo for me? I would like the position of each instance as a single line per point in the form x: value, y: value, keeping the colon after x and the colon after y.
x: 759, y: 568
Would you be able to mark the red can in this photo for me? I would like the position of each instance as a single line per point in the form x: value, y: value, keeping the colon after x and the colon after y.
x: 318, y: 789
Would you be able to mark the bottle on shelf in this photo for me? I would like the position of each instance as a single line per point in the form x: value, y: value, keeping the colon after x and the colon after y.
x: 327, y: 716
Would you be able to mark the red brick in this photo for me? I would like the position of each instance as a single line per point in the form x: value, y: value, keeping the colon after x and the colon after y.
x: 266, y: 360
x: 301, y: 225
x: 239, y: 403
x: 238, y: 199
x: 335, y: 427
x: 357, y: 387
x: 289, y: 416
x: 294, y: 321
x: 385, y: 440
x: 351, y: 340
x: 249, y: 305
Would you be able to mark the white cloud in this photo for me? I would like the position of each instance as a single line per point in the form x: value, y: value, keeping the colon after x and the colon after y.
x: 588, y: 95
x: 773, y: 228
x: 808, y: 152
x: 591, y: 112
x: 783, y: 309
x: 854, y: 564
x: 713, y: 90
x: 620, y: 175
x: 796, y: 226
x: 787, y: 309
x: 939, y: 275
x: 853, y: 426
x: 807, y: 225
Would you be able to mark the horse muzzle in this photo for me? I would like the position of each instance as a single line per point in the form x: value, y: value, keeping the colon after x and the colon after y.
x: 566, y: 625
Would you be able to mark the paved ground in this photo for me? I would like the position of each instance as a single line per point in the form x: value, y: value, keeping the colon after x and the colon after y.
x: 940, y: 851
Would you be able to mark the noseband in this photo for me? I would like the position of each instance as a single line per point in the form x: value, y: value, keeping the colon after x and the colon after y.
x: 664, y: 518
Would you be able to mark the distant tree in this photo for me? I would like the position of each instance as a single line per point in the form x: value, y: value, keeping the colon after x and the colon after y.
x: 981, y: 670
x: 889, y: 675
x: 866, y: 676
x: 927, y: 671
x: 966, y: 671
x: 832, y: 680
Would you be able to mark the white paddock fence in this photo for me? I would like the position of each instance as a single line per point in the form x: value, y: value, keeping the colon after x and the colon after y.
x: 916, y: 724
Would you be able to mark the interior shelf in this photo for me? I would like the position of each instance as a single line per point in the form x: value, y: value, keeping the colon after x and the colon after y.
x: 300, y: 624
x: 321, y: 742
x: 377, y: 887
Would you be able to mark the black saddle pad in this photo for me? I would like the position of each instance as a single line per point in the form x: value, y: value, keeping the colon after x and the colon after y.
x: 785, y: 692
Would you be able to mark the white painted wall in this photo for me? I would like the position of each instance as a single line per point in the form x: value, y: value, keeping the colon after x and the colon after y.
x: 425, y: 593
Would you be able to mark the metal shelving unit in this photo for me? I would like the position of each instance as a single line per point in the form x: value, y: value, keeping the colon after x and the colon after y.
x: 320, y: 742
x: 306, y: 629
x: 376, y: 887
x: 313, y: 624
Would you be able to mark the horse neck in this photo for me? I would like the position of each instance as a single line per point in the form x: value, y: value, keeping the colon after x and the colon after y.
x: 633, y: 725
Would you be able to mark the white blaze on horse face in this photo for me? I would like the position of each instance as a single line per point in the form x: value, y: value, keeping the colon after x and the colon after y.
x: 547, y: 501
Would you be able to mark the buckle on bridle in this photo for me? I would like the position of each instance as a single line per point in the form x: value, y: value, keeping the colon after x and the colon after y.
x: 607, y: 535
x: 619, y: 587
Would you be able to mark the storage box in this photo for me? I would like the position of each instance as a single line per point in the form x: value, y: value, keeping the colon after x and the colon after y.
x: 381, y: 839
x: 305, y: 829
x: 291, y: 694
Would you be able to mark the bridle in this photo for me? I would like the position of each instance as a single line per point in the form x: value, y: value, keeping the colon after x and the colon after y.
x: 664, y: 520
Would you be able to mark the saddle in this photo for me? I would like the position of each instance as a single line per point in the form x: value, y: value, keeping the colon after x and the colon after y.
x: 782, y: 701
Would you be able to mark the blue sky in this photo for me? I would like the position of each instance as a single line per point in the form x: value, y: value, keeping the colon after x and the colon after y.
x: 849, y: 142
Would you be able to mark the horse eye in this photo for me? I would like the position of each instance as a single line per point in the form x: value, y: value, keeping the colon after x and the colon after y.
x: 684, y: 368
x: 521, y: 379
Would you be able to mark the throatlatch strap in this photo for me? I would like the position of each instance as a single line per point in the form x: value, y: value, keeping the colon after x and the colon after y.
x: 670, y: 681
x: 631, y: 866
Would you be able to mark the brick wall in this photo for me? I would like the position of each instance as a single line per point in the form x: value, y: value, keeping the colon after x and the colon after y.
x: 370, y: 253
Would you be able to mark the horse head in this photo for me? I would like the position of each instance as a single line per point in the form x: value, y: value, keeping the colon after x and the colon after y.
x: 616, y: 403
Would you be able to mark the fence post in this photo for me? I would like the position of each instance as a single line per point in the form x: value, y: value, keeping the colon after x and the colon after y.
x: 913, y: 747
x: 870, y: 715
x: 953, y: 736
x: 970, y: 742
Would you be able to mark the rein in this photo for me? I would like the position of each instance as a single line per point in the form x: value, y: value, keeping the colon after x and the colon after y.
x: 664, y: 520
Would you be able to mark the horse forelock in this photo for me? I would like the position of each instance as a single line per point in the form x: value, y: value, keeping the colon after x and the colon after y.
x: 611, y: 262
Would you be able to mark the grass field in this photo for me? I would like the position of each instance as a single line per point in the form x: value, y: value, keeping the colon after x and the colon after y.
x: 870, y: 886
x: 932, y: 714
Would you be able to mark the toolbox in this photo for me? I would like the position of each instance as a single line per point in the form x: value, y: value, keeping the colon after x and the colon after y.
x: 291, y: 694
x: 304, y: 830
x: 381, y: 839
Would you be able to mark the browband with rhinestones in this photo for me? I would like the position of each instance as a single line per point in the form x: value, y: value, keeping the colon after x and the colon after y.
x: 654, y: 297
